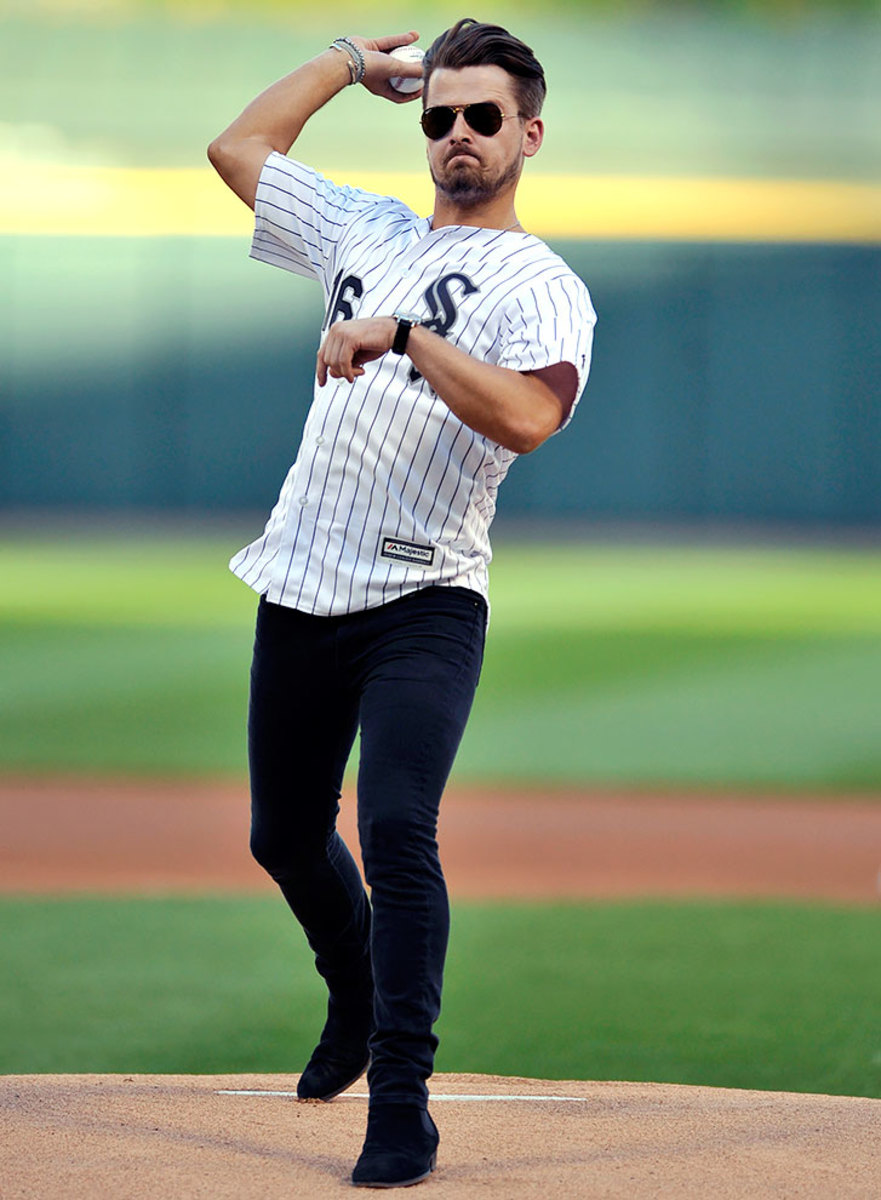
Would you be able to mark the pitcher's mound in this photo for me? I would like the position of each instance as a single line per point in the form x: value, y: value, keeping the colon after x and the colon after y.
x: 243, y: 1136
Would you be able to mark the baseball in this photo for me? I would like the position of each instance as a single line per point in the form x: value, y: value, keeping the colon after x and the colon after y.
x: 403, y: 84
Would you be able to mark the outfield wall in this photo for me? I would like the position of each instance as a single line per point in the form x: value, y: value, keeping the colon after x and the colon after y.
x: 729, y: 381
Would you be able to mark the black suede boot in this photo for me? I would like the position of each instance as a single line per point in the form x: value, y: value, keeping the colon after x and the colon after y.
x: 400, y: 1147
x: 341, y: 1056
x: 330, y: 1071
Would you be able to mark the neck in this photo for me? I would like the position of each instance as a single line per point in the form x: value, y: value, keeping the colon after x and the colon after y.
x: 497, y: 213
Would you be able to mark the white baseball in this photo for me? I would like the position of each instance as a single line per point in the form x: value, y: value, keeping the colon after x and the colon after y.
x: 402, y: 83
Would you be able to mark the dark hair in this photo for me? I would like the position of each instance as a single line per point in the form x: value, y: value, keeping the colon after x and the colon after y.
x: 470, y: 43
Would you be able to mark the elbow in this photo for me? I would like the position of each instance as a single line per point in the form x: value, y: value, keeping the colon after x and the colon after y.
x: 238, y: 166
x: 217, y: 154
x: 535, y: 428
x: 526, y: 437
x: 522, y: 445
x: 227, y: 155
x: 532, y: 421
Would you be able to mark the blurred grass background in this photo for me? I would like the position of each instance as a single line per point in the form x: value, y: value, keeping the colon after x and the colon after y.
x: 776, y: 996
x: 695, y: 666
x: 748, y: 661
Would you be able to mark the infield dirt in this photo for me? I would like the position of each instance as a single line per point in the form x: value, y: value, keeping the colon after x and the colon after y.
x: 150, y: 836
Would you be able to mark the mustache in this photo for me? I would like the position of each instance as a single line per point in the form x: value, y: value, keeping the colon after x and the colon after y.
x: 456, y: 151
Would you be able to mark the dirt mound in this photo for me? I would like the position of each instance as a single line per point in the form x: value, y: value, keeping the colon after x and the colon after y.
x: 238, y: 1137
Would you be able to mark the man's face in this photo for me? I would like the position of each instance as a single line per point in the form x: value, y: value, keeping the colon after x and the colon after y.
x: 468, y: 167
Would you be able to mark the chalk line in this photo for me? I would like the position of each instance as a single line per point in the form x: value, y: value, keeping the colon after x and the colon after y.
x: 433, y: 1097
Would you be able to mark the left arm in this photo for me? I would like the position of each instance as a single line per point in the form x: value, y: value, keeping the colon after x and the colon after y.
x: 517, y: 409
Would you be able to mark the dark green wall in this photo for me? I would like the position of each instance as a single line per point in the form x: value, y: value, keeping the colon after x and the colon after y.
x: 728, y: 381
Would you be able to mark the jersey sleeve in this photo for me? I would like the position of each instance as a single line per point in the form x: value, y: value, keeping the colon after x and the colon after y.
x: 299, y: 217
x: 547, y: 322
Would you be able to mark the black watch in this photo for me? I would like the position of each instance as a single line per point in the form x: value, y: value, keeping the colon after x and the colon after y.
x: 406, y: 321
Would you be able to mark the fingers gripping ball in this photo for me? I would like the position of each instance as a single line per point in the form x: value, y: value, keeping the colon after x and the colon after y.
x: 404, y: 84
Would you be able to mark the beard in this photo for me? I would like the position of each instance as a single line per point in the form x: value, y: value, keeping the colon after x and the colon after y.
x: 468, y: 184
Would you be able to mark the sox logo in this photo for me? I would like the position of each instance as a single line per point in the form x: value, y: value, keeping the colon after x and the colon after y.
x: 438, y: 299
x: 443, y: 307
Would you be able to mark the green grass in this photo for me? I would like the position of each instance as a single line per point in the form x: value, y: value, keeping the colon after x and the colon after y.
x: 752, y: 668
x: 771, y: 996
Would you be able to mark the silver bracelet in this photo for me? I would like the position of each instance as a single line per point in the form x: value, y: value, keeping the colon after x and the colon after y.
x: 357, y: 66
x: 350, y: 63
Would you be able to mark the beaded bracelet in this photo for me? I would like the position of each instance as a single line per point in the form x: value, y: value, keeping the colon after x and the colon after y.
x: 357, y: 65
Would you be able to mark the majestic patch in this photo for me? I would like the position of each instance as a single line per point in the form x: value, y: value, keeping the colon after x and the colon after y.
x: 408, y: 552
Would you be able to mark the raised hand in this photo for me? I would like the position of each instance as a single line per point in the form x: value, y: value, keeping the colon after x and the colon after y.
x: 380, y: 67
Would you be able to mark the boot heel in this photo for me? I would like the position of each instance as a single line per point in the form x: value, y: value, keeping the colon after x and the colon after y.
x: 400, y: 1148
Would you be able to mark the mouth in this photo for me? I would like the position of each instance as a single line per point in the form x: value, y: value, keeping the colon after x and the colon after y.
x: 463, y: 154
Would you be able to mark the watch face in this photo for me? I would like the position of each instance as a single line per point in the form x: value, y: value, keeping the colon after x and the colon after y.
x: 405, y: 316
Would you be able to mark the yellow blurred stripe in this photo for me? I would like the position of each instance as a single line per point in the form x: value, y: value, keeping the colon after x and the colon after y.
x: 754, y: 210
x: 140, y: 202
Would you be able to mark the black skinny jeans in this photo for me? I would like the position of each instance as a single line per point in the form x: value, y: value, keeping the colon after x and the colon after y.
x: 405, y: 672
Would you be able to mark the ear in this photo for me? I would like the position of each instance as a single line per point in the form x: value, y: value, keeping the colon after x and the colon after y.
x: 533, y: 136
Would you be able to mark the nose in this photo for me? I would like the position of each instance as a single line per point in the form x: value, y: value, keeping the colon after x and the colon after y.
x: 461, y: 131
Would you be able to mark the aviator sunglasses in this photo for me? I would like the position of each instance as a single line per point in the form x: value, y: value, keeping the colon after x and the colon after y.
x: 484, y: 118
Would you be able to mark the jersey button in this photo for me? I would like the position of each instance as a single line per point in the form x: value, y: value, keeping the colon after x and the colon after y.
x: 304, y: 500
x: 319, y: 441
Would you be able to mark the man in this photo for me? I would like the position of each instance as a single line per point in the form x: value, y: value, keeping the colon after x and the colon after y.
x: 450, y: 345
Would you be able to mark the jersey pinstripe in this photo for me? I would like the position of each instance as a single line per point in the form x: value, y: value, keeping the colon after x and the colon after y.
x: 390, y: 491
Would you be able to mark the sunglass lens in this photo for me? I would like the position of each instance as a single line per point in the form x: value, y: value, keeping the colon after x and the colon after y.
x: 485, y: 118
x: 437, y: 122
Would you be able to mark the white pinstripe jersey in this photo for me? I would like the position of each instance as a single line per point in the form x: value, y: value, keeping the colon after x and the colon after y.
x: 390, y: 491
